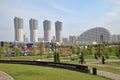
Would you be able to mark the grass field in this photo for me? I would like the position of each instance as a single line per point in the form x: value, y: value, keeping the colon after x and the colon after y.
x: 117, y: 71
x: 113, y: 64
x: 28, y: 72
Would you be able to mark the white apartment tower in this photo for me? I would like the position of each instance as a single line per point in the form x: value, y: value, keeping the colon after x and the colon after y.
x: 33, y: 30
x: 19, y: 31
x: 47, y: 30
x: 58, y: 29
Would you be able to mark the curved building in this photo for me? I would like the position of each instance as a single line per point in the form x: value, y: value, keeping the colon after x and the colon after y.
x: 47, y: 30
x: 19, y: 31
x: 97, y: 34
x: 58, y: 29
x: 33, y: 30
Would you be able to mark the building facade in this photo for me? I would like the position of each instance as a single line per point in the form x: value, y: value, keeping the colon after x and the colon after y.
x: 65, y: 40
x: 72, y: 39
x: 115, y: 38
x: 19, y: 31
x: 58, y: 30
x: 47, y: 30
x: 33, y: 30
x: 97, y: 34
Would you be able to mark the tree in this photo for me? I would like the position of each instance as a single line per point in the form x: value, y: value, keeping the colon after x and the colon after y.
x: 56, y: 53
x: 1, y: 52
x: 103, y: 60
x: 17, y: 51
x: 78, y: 50
x: 7, y: 48
x: 41, y: 47
x: 106, y: 52
x: 34, y: 50
x: 56, y: 56
x: 74, y: 49
x: 118, y: 51
x: 89, y: 49
x: 64, y: 52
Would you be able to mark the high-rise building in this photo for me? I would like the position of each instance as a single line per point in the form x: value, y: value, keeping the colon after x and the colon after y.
x: 33, y: 30
x: 47, y: 30
x: 58, y: 29
x: 19, y: 32
x: 115, y: 38
x: 65, y: 40
x: 72, y: 39
x: 40, y: 39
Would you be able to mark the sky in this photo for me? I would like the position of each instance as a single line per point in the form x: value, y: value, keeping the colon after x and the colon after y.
x: 77, y: 15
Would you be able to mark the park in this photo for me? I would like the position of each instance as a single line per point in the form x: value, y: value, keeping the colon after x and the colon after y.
x: 100, y: 57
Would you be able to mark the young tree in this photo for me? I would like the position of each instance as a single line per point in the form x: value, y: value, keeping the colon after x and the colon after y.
x: 1, y: 52
x: 56, y: 54
x: 17, y: 51
x: 103, y: 60
x: 41, y: 47
x: 34, y: 50
x: 74, y: 49
x: 89, y: 49
x: 7, y: 48
x: 118, y: 51
x: 81, y: 56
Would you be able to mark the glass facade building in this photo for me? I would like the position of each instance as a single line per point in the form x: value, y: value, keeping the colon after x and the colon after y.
x: 97, y: 34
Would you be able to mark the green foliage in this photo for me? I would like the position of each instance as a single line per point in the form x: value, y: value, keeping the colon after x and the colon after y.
x: 74, y: 49
x: 56, y: 56
x: 34, y: 50
x: 81, y: 58
x: 118, y: 52
x: 17, y: 51
x: 83, y: 51
x: 1, y: 51
x: 78, y: 50
x: 112, y: 50
x: 6, y: 47
x: 41, y: 47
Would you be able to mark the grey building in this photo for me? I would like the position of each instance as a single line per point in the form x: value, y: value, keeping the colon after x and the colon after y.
x: 33, y: 30
x: 97, y: 34
x: 115, y: 38
x: 19, y: 32
x: 65, y: 40
x: 58, y: 29
x: 72, y: 38
x: 47, y: 30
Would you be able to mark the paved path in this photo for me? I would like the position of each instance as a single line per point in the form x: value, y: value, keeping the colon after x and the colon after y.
x: 5, y: 76
x: 110, y: 75
x: 106, y: 74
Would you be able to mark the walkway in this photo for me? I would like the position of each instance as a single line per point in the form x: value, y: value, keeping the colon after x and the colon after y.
x: 5, y: 76
x: 106, y: 74
x: 110, y: 75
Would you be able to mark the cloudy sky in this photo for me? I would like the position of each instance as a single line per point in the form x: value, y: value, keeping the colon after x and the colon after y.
x: 77, y: 15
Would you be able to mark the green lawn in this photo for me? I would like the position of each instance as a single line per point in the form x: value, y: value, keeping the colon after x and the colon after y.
x: 28, y: 72
x: 108, y: 69
x: 113, y: 64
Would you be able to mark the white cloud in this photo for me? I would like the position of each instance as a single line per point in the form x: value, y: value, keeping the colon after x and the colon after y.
x: 117, y: 2
x: 111, y: 19
x: 9, y: 10
x: 63, y: 9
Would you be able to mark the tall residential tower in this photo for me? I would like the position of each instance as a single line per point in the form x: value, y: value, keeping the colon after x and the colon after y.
x: 33, y: 30
x: 19, y: 32
x: 58, y: 28
x: 47, y: 30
